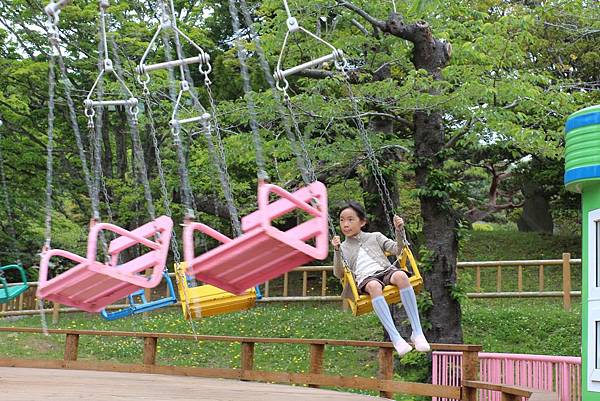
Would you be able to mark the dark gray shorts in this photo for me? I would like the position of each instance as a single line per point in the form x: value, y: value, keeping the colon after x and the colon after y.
x: 383, y: 278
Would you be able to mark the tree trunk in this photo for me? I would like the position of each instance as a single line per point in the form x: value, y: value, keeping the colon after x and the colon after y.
x: 107, y: 162
x: 121, y: 146
x: 536, y: 210
x: 439, y: 229
x: 439, y: 220
x: 373, y: 202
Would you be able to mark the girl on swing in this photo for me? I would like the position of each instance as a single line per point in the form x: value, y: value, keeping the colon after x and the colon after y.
x: 364, y: 254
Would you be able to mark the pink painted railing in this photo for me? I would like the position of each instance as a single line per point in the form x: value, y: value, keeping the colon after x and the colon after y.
x: 561, y: 374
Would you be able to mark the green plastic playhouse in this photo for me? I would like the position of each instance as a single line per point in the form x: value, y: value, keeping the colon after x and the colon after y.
x: 582, y: 174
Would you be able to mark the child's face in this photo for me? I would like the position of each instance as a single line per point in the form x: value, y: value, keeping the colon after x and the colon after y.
x: 350, y: 223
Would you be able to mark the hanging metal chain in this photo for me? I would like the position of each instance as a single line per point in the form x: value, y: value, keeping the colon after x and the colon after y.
x: 78, y: 139
x: 95, y: 134
x: 187, y: 85
x: 303, y: 166
x: 341, y: 64
x: 53, y: 39
x: 183, y: 173
x: 161, y: 176
x: 386, y: 199
x: 221, y: 163
x: 50, y: 133
x: 241, y: 55
x: 138, y: 150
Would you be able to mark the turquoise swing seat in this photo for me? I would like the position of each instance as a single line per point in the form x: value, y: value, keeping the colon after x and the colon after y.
x: 8, y: 291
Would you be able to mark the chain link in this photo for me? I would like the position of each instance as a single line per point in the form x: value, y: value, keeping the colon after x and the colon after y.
x: 386, y: 199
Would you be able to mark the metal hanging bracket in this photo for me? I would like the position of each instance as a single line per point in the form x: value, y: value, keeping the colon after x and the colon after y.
x: 202, y: 59
x: 108, y: 68
x: 175, y: 122
x: 280, y: 74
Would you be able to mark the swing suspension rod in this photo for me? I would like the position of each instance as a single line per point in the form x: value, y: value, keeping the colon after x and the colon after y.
x: 89, y: 103
x: 199, y: 59
x: 335, y: 55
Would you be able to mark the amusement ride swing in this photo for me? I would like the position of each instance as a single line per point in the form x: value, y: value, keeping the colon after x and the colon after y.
x: 9, y: 291
x: 359, y: 304
x: 138, y: 303
x: 92, y: 285
x: 202, y: 300
x: 234, y: 266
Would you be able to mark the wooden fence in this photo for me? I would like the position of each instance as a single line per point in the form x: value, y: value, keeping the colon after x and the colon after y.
x: 313, y: 285
x: 316, y: 377
x: 565, y: 264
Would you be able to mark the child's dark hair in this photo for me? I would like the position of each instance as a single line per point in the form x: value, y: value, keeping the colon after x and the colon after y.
x: 357, y: 207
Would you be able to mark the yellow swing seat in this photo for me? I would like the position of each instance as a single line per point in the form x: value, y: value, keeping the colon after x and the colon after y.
x: 207, y: 300
x: 361, y: 303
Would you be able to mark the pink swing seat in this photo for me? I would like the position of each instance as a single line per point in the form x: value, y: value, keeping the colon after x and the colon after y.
x: 92, y: 285
x: 262, y: 252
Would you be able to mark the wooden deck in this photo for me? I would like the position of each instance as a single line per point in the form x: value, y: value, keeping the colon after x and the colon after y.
x: 26, y: 384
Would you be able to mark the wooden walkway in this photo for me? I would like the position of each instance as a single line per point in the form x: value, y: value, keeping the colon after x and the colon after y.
x: 26, y: 384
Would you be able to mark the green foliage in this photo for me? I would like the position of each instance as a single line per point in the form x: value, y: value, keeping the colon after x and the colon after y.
x: 514, y: 245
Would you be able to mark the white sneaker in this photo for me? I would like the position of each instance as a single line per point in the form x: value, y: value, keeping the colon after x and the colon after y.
x: 402, y: 347
x: 420, y: 343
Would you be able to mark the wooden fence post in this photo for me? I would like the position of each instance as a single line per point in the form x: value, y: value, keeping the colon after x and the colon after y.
x: 150, y: 345
x: 247, y: 358
x: 470, y: 371
x: 55, y: 312
x: 316, y: 360
x: 386, y: 368
x: 71, y: 347
x: 499, y: 279
x: 304, y: 283
x: 566, y: 281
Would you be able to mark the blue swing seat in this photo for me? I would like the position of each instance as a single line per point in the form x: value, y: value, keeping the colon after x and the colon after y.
x: 135, y: 308
x: 8, y: 291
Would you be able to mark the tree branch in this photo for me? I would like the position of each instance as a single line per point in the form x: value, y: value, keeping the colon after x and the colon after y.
x: 372, y: 20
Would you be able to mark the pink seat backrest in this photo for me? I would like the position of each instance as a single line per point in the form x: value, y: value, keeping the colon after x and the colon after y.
x: 282, y: 206
x: 162, y: 224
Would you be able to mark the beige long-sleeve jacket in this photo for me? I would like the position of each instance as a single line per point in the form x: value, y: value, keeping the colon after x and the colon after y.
x: 374, y: 244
